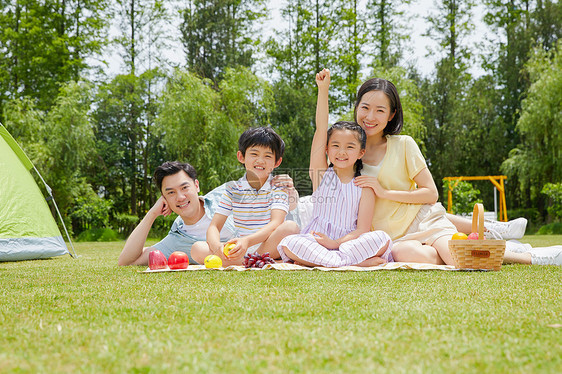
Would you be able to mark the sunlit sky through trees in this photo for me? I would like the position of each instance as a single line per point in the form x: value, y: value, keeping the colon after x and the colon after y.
x: 417, y: 50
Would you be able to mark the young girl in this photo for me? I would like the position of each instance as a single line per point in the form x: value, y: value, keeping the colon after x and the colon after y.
x: 339, y: 232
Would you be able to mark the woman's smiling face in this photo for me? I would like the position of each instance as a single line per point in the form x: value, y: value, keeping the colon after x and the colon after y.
x: 374, y: 112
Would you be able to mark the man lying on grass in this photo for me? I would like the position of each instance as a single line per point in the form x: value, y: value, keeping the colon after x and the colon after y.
x: 180, y: 194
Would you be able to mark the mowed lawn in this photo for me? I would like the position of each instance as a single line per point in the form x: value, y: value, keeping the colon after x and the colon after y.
x: 90, y: 316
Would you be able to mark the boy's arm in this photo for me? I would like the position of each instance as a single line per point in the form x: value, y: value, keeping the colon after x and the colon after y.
x: 134, y: 252
x: 213, y: 233
x: 279, y: 209
x: 223, y: 210
x: 318, y: 162
x: 260, y: 236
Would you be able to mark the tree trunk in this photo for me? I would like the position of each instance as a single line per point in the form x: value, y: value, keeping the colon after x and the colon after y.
x: 317, y: 39
x: 133, y: 26
x: 452, y: 29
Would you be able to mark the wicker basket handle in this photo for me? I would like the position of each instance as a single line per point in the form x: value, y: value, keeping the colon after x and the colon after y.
x: 478, y: 220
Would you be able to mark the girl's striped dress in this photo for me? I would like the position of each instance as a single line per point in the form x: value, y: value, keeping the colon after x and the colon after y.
x: 336, y: 206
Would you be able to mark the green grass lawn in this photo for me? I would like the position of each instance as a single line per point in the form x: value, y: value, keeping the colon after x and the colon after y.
x: 88, y: 315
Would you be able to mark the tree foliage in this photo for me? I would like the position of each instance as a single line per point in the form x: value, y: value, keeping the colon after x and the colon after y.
x: 522, y: 24
x: 464, y: 196
x: 218, y: 34
x: 298, y: 53
x: 536, y: 161
x: 128, y: 150
x: 481, y: 138
x: 98, y: 142
x: 345, y: 51
x: 554, y: 193
x: 44, y: 44
x: 246, y: 99
x: 387, y: 30
x: 446, y: 92
x: 61, y: 142
x: 510, y: 19
x: 202, y: 128
x: 142, y: 39
x: 293, y: 118
x: 450, y: 26
x: 303, y: 48
x: 25, y: 123
x: 89, y: 210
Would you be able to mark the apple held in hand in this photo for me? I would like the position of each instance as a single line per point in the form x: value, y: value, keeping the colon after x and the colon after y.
x: 473, y: 236
x: 227, y: 248
x: 157, y: 260
x: 178, y: 260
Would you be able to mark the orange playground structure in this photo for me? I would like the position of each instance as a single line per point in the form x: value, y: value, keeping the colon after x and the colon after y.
x: 497, y: 181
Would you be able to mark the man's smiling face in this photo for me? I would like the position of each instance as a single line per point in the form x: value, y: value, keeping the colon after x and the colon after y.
x: 182, y: 195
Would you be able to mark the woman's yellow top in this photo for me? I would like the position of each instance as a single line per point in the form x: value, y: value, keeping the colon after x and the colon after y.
x: 402, y: 162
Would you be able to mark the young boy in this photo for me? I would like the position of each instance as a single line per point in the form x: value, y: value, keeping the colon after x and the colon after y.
x: 258, y: 208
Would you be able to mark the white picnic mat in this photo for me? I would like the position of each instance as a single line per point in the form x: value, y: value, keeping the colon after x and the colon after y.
x: 286, y: 266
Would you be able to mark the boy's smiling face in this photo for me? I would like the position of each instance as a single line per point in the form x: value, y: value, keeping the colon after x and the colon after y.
x: 259, y: 162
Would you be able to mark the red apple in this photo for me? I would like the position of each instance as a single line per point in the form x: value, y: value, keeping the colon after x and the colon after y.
x: 157, y: 260
x: 178, y: 260
x: 473, y: 236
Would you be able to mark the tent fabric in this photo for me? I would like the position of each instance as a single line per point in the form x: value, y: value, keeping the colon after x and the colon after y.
x: 10, y: 141
x: 19, y: 249
x: 27, y: 227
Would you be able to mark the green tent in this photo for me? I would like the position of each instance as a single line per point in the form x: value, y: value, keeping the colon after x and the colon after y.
x: 27, y: 227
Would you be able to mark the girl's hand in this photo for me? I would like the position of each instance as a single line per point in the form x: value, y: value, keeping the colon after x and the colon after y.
x: 286, y: 182
x: 282, y: 180
x: 323, y: 79
x: 325, y: 241
x: 364, y: 181
x: 239, y: 250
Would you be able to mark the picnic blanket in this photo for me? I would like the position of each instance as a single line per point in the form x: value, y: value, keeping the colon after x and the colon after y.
x: 287, y: 266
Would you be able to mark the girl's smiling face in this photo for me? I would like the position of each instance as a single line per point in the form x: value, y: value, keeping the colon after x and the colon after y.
x: 344, y: 148
x: 374, y: 112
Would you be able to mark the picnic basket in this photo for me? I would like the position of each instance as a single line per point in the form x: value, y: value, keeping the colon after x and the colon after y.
x: 483, y: 253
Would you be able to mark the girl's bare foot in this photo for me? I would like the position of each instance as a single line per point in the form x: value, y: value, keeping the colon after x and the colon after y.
x: 372, y: 261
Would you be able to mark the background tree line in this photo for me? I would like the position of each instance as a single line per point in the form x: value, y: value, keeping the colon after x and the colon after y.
x: 97, y: 137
